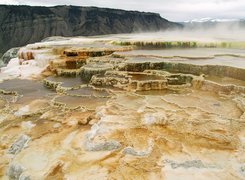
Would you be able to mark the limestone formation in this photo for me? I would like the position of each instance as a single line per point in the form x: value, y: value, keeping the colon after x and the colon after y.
x: 133, y: 152
x: 103, y: 146
x: 19, y: 144
x: 110, y: 79
x: 187, y: 164
x: 104, y: 110
x: 233, y: 72
x: 91, y: 69
x: 15, y: 171
x: 10, y: 54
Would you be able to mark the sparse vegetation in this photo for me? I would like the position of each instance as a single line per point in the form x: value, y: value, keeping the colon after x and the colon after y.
x: 161, y: 45
x: 180, y: 44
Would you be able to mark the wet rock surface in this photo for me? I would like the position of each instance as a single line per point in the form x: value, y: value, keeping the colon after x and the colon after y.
x: 91, y: 69
x: 10, y: 54
x: 117, y: 116
x: 19, y: 144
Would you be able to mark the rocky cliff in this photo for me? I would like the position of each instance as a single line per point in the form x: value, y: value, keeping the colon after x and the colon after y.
x: 21, y: 25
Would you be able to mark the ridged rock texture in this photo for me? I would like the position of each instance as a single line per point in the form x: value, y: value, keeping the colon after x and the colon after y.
x: 86, y: 107
x: 21, y: 25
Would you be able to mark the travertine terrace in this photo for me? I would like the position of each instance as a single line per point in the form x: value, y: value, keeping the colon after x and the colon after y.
x: 117, y: 107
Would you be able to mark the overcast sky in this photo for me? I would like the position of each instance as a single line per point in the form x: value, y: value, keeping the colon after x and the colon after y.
x: 175, y: 10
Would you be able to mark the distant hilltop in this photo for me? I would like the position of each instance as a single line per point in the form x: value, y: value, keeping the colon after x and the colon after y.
x: 208, y: 19
x: 21, y: 25
x: 211, y: 23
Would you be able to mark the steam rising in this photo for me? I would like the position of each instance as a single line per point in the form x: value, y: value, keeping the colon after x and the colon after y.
x: 203, y: 32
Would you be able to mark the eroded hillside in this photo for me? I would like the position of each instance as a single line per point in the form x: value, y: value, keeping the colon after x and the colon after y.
x: 21, y: 25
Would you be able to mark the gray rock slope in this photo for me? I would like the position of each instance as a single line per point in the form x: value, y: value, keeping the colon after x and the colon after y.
x: 21, y: 25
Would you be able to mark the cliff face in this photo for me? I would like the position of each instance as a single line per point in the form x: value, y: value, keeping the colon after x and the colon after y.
x: 24, y: 24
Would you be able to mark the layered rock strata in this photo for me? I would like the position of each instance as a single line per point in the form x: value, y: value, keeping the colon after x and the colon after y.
x: 27, y: 24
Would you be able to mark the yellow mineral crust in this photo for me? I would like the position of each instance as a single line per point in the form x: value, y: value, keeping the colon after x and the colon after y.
x: 95, y: 112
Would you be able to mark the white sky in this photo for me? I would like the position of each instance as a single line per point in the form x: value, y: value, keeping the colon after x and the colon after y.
x: 175, y: 10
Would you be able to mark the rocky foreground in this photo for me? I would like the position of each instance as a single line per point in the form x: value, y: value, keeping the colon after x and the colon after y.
x: 107, y: 108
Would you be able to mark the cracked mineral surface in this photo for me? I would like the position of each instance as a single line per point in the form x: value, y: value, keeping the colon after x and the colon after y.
x: 115, y: 107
